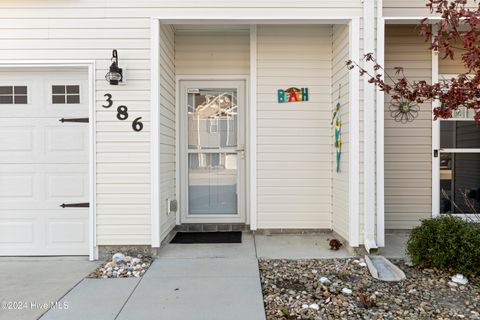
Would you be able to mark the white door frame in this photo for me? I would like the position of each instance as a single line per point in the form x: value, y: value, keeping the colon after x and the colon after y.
x: 89, y: 66
x: 181, y: 187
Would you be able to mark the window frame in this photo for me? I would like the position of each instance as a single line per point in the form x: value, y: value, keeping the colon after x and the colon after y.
x: 65, y: 94
x: 13, y: 94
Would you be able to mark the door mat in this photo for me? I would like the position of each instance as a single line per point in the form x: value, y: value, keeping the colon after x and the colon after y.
x: 208, y: 237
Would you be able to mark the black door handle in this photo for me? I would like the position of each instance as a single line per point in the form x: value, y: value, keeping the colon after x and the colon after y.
x: 74, y: 120
x: 75, y: 205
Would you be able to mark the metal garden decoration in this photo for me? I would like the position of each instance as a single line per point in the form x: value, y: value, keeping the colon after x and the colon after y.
x: 403, y: 111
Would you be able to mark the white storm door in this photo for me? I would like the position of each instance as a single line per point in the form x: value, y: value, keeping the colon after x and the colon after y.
x: 212, y: 143
x: 43, y: 162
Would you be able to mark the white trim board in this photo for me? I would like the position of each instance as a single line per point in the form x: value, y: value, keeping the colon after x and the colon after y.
x: 252, y: 132
x: 408, y: 20
x: 155, y: 131
x: 232, y: 17
x: 380, y: 139
x: 369, y: 117
x: 90, y: 68
x: 435, y: 140
x: 354, y: 130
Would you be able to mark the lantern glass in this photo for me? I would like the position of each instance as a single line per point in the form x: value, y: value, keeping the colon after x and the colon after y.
x: 115, y: 74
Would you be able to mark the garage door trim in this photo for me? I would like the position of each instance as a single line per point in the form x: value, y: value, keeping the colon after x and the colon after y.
x: 90, y: 66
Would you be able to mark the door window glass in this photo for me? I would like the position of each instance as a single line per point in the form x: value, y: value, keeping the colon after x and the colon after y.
x: 212, y: 119
x: 212, y: 183
x: 212, y: 158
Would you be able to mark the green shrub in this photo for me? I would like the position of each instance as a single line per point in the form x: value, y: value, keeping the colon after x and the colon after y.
x: 446, y: 243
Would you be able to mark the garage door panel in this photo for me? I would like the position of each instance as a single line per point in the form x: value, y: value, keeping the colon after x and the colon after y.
x: 43, y: 162
x: 45, y: 141
x: 47, y: 167
x: 62, y: 233
x: 68, y: 186
x: 66, y: 138
x: 40, y: 97
x: 16, y: 138
x: 55, y: 114
x: 16, y: 186
x: 17, y: 232
x: 44, y: 232
x: 42, y: 186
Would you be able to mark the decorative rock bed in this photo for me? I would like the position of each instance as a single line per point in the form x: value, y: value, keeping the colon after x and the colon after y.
x: 123, y: 266
x: 344, y: 289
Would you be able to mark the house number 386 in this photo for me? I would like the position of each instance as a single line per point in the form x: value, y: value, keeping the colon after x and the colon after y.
x: 122, y: 113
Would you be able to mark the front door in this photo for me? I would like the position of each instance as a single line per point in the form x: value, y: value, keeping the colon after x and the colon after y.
x: 212, y: 151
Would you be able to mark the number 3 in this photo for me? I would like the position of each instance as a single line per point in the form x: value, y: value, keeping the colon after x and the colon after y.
x: 109, y: 100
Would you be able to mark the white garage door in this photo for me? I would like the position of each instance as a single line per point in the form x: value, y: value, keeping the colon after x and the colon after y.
x: 43, y: 162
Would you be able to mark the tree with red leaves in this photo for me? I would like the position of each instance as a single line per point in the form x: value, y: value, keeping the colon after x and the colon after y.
x: 458, y: 31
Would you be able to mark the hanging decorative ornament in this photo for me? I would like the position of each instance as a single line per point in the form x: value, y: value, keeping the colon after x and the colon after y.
x: 403, y: 111
x: 336, y: 120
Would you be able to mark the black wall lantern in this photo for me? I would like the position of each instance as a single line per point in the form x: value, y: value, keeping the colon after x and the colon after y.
x: 115, y: 74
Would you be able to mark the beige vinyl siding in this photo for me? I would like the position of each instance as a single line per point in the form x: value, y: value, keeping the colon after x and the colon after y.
x: 212, y: 52
x: 408, y: 164
x: 167, y: 127
x: 340, y: 180
x: 411, y: 8
x: 406, y: 8
x: 451, y: 67
x: 294, y: 139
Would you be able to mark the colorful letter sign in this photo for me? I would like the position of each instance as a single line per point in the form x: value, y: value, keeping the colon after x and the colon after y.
x: 292, y: 94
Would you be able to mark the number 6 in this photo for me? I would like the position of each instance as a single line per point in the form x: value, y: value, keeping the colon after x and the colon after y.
x: 137, y: 125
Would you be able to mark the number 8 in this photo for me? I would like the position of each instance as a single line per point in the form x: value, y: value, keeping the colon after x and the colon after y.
x: 122, y: 113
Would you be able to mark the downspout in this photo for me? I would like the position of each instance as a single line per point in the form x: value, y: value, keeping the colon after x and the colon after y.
x: 369, y: 129
x: 380, y: 131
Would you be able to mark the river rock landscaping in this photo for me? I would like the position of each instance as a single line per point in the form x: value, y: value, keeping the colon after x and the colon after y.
x: 344, y: 289
x: 123, y: 266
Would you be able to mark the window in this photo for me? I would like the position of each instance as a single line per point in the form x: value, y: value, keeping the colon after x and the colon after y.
x: 13, y: 95
x: 461, y: 134
x: 459, y: 182
x: 65, y: 94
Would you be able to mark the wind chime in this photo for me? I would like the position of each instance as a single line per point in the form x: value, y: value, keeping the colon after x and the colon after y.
x: 337, y: 121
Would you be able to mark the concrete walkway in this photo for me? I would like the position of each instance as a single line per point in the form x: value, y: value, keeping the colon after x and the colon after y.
x: 38, y: 282
x: 193, y: 281
x: 395, y: 244
x: 293, y: 246
x: 199, y: 281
